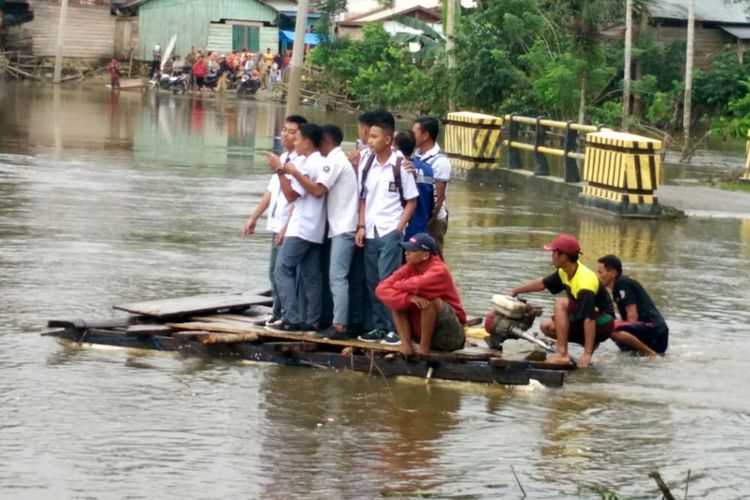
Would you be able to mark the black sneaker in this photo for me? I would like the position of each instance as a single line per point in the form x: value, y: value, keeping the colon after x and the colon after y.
x: 286, y: 327
x: 332, y: 334
x: 373, y: 336
x: 391, y: 339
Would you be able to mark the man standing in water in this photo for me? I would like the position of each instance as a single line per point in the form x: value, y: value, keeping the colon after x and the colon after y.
x: 586, y: 315
x: 275, y: 201
x: 643, y: 328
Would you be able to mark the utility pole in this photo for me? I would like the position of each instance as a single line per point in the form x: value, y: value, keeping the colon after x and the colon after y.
x: 57, y: 75
x: 686, y: 116
x: 295, y: 73
x: 628, y: 60
x: 450, y: 29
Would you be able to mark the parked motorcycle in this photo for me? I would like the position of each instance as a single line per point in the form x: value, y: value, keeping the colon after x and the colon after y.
x: 248, y: 85
x: 177, y: 82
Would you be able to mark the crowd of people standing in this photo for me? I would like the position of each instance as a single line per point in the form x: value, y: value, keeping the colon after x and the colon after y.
x: 216, y: 71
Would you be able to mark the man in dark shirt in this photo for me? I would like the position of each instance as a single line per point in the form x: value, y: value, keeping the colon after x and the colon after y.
x: 586, y: 315
x: 642, y: 328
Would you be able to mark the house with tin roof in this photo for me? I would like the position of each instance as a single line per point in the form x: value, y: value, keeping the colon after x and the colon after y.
x: 718, y: 24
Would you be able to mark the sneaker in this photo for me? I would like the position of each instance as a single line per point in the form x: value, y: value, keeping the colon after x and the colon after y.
x: 286, y: 327
x: 331, y: 333
x: 391, y: 338
x: 307, y: 327
x: 373, y: 336
x: 273, y: 321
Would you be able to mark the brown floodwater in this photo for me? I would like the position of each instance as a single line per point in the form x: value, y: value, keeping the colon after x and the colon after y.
x: 115, y: 198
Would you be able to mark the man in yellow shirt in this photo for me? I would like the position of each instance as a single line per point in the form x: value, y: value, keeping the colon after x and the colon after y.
x: 585, y: 315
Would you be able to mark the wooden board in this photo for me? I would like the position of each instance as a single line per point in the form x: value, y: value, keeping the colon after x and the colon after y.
x: 195, y: 304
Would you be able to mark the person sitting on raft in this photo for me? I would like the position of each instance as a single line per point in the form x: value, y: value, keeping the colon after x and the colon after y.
x: 586, y: 315
x: 423, y: 300
x: 642, y: 328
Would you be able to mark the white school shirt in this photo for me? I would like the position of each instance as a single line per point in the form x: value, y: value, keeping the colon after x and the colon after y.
x: 441, y: 171
x: 342, y: 202
x: 383, y: 207
x: 278, y: 208
x: 308, y: 220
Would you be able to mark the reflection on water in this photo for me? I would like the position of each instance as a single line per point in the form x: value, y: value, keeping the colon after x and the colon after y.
x: 107, y: 199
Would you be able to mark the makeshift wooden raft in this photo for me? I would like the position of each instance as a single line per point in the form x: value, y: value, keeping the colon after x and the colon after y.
x: 230, y: 326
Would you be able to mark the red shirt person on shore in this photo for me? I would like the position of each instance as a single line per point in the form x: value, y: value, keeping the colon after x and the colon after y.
x: 423, y: 300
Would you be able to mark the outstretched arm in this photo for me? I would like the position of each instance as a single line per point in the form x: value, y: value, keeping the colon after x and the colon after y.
x: 532, y: 286
x: 251, y: 221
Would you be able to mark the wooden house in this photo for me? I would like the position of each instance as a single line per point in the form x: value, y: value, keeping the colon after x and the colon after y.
x: 216, y: 25
x: 719, y: 23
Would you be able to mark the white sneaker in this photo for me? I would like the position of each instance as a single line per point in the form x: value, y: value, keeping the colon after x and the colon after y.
x: 391, y: 338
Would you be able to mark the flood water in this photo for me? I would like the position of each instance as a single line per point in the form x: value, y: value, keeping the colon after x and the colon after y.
x: 110, y: 199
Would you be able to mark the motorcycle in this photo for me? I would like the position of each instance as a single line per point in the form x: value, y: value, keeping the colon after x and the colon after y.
x: 177, y: 82
x: 248, y: 85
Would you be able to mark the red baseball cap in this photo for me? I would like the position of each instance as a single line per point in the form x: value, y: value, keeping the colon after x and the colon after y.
x: 565, y: 243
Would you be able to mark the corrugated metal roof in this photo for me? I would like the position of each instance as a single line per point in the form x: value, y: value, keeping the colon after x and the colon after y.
x: 737, y: 31
x: 719, y: 11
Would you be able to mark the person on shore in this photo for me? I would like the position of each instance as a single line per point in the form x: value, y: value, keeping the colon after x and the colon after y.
x: 278, y: 208
x: 426, y: 130
x: 200, y: 69
x: 337, y: 182
x: 300, y: 250
x: 387, y: 200
x: 155, y: 61
x: 423, y: 300
x: 364, y: 122
x: 642, y: 329
x: 586, y: 315
x: 114, y: 74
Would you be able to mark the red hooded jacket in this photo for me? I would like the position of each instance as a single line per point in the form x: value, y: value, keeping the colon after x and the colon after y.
x: 434, y: 282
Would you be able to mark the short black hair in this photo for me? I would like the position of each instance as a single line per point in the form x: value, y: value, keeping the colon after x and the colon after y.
x: 312, y: 132
x: 389, y: 129
x: 334, y: 133
x: 405, y: 142
x: 612, y: 262
x: 298, y: 119
x: 383, y: 116
x: 366, y: 118
x: 430, y: 125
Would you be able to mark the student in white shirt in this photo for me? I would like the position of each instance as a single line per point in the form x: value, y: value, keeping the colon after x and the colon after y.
x: 382, y: 220
x: 279, y: 209
x: 338, y: 181
x: 300, y: 250
x: 426, y: 131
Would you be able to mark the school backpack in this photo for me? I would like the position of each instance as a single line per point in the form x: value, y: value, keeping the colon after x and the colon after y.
x: 425, y: 187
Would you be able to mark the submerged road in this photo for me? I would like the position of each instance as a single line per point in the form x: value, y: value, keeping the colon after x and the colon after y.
x: 702, y: 201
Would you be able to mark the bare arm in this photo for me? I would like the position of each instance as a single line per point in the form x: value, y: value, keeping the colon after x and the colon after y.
x: 315, y: 189
x: 440, y: 187
x: 631, y: 313
x: 406, y: 215
x: 360, y: 238
x: 286, y: 187
x: 251, y: 222
x: 532, y: 286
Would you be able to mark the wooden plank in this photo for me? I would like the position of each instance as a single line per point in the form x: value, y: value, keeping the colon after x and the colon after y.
x: 239, y: 327
x: 236, y: 318
x: 195, y: 304
x: 292, y: 346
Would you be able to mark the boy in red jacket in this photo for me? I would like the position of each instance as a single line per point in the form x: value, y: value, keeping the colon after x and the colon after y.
x: 423, y: 300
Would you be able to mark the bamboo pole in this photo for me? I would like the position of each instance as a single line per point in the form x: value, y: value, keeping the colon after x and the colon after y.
x: 60, y: 42
x: 687, y: 114
x: 295, y: 73
x: 628, y: 60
